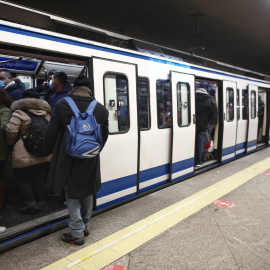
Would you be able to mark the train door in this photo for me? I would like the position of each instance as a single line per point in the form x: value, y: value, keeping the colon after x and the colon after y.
x: 229, y: 120
x: 252, y: 118
x: 115, y: 87
x: 183, y: 126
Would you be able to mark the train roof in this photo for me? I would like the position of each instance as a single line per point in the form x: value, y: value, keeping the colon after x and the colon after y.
x: 29, y: 17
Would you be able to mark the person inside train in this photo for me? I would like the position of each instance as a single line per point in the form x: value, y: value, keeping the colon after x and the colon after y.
x: 60, y: 85
x: 260, y: 113
x: 210, y: 128
x: 30, y: 170
x: 44, y: 87
x: 14, y: 87
x: 5, y: 115
x: 205, y: 111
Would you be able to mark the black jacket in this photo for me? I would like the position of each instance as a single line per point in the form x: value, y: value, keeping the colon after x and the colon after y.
x: 206, y: 110
x: 81, y: 176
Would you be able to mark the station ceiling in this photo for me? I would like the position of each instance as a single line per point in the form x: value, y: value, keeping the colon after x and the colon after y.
x: 236, y: 32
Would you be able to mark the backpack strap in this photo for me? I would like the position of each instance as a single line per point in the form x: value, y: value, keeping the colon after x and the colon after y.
x: 91, y: 106
x: 72, y: 105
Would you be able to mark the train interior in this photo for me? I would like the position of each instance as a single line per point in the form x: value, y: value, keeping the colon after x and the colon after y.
x: 32, y: 72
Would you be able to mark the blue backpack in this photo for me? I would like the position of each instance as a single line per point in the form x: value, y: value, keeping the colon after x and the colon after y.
x: 83, y: 137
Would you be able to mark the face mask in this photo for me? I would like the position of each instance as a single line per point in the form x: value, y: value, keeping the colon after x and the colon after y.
x: 168, y: 103
x: 50, y: 85
x: 2, y: 84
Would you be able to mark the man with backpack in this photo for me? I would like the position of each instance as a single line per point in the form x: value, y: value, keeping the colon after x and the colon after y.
x: 78, y: 173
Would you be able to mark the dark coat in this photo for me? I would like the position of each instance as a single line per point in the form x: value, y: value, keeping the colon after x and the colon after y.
x: 59, y: 95
x: 81, y: 176
x: 16, y: 90
x: 205, y: 110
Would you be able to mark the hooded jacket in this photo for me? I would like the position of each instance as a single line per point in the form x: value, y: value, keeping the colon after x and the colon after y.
x: 59, y: 95
x: 80, y: 176
x: 19, y: 125
x: 205, y: 110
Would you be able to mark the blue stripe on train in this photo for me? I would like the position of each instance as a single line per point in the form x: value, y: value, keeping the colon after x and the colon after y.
x: 100, y: 48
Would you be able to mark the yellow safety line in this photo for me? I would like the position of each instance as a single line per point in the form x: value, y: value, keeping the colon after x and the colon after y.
x: 115, y: 246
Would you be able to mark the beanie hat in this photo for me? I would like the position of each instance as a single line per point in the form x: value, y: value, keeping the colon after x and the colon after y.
x: 82, y: 80
x: 31, y: 93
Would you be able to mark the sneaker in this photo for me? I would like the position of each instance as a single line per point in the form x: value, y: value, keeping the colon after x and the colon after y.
x: 68, y: 238
x: 2, y: 229
x: 86, y: 232
x: 27, y: 209
x: 198, y: 165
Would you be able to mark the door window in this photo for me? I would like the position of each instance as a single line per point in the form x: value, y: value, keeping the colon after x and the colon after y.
x: 229, y: 104
x: 253, y: 104
x: 183, y: 104
x: 116, y: 101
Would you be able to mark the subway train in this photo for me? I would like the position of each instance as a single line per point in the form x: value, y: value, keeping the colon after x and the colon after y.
x: 149, y: 92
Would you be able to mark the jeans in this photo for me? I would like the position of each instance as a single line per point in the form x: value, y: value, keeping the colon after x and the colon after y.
x: 80, y: 211
x: 200, y: 136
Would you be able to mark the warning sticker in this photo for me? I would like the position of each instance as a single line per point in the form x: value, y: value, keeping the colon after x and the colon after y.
x: 224, y: 203
x: 266, y: 173
x: 114, y: 267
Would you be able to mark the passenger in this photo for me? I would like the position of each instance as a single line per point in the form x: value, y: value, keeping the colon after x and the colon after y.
x: 44, y: 87
x: 205, y: 111
x: 30, y: 171
x: 79, y: 177
x: 13, y: 86
x: 260, y: 113
x: 61, y: 87
x: 5, y: 114
x: 211, y: 125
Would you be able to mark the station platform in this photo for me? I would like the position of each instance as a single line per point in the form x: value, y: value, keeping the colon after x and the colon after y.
x: 218, y: 219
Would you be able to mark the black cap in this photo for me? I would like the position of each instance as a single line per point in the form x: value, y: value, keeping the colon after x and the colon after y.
x: 31, y: 93
x: 82, y: 80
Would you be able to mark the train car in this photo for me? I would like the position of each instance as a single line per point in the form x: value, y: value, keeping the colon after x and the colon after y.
x: 149, y: 91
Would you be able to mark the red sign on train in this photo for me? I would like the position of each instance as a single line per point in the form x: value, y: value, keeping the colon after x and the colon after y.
x: 224, y: 203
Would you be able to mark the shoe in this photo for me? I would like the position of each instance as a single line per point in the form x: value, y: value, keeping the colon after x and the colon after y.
x: 204, y: 159
x: 2, y: 229
x: 86, y: 232
x: 27, y: 209
x: 198, y: 165
x: 68, y: 238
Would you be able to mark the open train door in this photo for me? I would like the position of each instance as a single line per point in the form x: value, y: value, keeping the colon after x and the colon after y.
x: 229, y: 120
x: 252, y: 118
x: 183, y: 126
x: 115, y: 86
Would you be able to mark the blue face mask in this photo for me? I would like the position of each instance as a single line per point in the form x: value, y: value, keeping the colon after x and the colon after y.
x: 2, y: 84
x: 50, y: 85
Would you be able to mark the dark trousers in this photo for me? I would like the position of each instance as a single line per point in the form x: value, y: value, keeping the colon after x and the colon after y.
x: 31, y: 181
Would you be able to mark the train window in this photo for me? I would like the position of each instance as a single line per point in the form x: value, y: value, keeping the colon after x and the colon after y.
x: 144, y: 104
x: 116, y: 100
x: 163, y: 103
x: 238, y: 105
x: 253, y: 104
x: 230, y: 104
x: 183, y: 104
x: 244, y: 104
